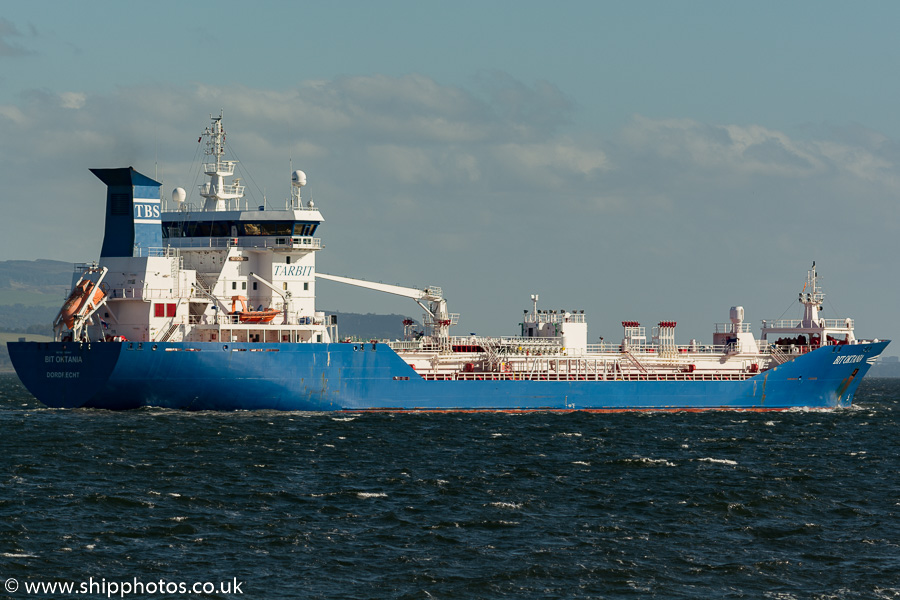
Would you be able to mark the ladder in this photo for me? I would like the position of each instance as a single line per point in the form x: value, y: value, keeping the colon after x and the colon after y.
x: 168, y: 334
x: 634, y: 361
x: 778, y: 356
x: 490, y: 349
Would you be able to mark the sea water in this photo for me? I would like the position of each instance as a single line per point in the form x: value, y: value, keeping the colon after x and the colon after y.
x: 159, y: 503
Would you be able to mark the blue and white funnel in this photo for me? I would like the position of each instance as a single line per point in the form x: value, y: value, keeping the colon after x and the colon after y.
x: 133, y: 223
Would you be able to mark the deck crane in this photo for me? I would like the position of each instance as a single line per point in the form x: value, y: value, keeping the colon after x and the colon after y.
x: 285, y: 296
x: 438, y: 320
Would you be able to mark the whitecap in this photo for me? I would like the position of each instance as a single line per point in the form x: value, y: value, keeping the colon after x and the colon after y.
x: 371, y: 495
x: 506, y: 505
x: 723, y: 461
x: 582, y: 463
x: 18, y: 555
x: 651, y: 461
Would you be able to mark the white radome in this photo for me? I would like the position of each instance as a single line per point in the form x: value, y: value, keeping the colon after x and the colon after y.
x: 298, y: 178
x: 179, y: 195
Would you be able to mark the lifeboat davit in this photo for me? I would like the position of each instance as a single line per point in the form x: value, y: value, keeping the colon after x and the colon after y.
x: 84, y: 292
x: 251, y: 316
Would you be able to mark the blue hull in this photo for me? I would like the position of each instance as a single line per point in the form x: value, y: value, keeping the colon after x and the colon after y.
x: 327, y: 377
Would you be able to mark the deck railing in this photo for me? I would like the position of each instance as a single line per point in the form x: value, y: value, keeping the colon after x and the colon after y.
x: 274, y: 241
x: 795, y: 323
x: 634, y: 376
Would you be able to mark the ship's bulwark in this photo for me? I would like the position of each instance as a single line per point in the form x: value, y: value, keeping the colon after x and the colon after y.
x: 347, y: 376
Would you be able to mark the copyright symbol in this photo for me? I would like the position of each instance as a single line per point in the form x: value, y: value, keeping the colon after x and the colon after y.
x: 11, y: 585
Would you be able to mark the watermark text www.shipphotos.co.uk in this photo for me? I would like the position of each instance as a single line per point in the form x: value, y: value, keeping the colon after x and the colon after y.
x: 120, y: 589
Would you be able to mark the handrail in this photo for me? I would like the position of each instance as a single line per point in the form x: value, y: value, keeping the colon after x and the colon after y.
x: 599, y: 376
x: 570, y: 317
x: 247, y: 241
x: 797, y: 323
x: 191, y: 208
x: 731, y: 327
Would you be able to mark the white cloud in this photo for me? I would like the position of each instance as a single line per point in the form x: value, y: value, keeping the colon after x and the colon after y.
x: 551, y: 162
x: 72, y: 100
x: 732, y: 148
x: 13, y: 113
x: 404, y: 165
x: 716, y: 153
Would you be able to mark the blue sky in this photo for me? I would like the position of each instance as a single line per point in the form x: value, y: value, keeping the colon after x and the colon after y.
x: 641, y: 160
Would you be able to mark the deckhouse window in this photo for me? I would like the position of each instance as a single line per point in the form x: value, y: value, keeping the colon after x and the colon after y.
x: 268, y: 228
x: 304, y: 229
x: 177, y: 229
x: 164, y: 310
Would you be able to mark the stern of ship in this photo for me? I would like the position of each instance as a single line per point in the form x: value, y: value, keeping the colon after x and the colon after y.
x: 64, y: 374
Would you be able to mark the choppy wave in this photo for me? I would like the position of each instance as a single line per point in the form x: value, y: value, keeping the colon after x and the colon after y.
x: 543, y: 505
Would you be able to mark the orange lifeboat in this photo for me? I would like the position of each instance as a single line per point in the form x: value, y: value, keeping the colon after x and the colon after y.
x: 251, y: 316
x: 85, y: 292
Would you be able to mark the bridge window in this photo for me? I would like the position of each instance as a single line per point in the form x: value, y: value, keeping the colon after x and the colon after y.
x: 268, y: 228
x: 305, y: 229
x: 177, y: 229
x: 219, y: 229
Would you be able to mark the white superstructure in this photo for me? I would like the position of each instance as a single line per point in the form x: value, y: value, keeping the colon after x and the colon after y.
x: 224, y: 272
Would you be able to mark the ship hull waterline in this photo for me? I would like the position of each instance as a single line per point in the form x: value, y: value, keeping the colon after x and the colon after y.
x: 357, y: 377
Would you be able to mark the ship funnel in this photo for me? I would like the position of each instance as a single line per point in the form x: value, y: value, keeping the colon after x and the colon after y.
x: 133, y: 220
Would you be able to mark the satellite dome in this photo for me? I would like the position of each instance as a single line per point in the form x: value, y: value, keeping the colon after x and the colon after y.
x: 298, y: 178
x: 178, y: 195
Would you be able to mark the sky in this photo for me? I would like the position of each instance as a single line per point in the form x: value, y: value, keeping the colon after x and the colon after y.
x: 636, y: 160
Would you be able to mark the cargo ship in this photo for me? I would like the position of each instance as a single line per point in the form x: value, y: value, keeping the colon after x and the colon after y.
x: 209, y: 304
